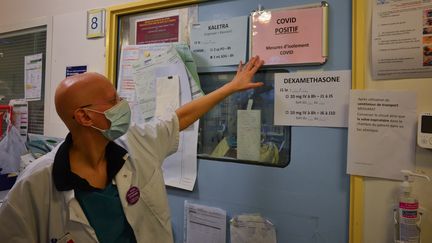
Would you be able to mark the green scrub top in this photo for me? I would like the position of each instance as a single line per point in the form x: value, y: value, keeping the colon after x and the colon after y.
x: 104, y: 212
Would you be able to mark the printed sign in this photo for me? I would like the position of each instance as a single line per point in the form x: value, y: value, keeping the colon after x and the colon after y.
x: 219, y: 43
x: 158, y: 30
x: 401, y: 39
x: 312, y: 99
x: 381, y: 133
x: 74, y: 70
x: 292, y: 36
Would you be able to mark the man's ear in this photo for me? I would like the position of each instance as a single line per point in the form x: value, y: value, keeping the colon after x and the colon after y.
x: 82, y: 118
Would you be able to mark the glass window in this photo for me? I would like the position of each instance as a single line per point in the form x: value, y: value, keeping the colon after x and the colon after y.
x: 218, y: 133
x: 218, y: 128
x: 14, y: 46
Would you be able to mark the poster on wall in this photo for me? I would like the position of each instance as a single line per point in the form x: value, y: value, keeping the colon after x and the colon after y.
x: 312, y: 99
x: 33, y: 77
x: 170, y: 26
x: 142, y: 68
x: 219, y: 43
x: 401, y: 39
x: 157, y: 30
x: 290, y: 36
x: 381, y: 133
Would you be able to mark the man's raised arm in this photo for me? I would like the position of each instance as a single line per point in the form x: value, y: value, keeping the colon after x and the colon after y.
x: 192, y: 111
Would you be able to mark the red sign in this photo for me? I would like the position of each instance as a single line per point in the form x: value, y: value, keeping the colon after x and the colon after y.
x: 160, y: 30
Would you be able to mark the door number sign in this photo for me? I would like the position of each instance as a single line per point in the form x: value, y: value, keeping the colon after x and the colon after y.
x: 95, y: 23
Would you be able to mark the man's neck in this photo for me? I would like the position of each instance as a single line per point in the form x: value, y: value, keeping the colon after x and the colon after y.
x: 87, y: 159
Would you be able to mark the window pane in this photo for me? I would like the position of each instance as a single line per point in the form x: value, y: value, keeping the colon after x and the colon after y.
x: 14, y: 46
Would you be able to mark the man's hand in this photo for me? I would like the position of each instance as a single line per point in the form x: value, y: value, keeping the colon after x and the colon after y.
x: 190, y: 112
x: 243, y: 79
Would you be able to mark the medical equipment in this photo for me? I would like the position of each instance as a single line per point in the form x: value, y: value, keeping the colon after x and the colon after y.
x: 424, y: 130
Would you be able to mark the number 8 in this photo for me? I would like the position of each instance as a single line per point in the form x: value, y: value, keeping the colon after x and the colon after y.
x: 94, y: 23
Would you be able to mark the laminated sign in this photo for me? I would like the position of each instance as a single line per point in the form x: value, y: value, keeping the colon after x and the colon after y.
x: 290, y: 36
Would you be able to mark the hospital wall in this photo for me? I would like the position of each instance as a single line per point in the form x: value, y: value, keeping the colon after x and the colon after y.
x: 308, y: 200
x: 379, y: 194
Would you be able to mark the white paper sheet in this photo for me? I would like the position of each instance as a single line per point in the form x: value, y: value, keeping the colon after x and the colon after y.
x: 141, y: 66
x: 167, y: 94
x: 179, y: 70
x: 248, y: 134
x: 252, y: 228
x: 312, y: 99
x: 135, y: 56
x: 145, y: 81
x: 204, y: 224
x: 186, y: 55
x: 381, y: 133
x: 180, y: 169
x: 145, y: 88
x: 220, y: 42
x: 33, y: 77
x: 401, y: 39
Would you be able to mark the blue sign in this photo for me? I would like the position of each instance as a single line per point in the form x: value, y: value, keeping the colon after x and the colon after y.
x: 74, y: 70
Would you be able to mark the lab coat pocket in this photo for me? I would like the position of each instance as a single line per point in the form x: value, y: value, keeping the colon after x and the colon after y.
x: 154, y: 196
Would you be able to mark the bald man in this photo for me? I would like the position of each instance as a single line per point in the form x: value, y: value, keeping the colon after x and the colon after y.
x: 104, y: 182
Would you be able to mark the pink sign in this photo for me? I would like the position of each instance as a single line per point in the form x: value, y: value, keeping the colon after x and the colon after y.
x: 293, y: 36
x: 160, y: 30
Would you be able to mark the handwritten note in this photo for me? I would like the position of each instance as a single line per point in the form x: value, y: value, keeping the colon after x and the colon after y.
x: 248, y: 134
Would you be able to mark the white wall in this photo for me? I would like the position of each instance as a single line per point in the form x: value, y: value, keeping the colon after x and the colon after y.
x: 17, y: 11
x: 66, y: 42
x: 380, y: 194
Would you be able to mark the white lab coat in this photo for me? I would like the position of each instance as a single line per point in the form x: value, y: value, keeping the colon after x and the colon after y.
x: 35, y: 211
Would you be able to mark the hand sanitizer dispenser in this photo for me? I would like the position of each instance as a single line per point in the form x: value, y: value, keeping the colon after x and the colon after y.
x: 408, y: 218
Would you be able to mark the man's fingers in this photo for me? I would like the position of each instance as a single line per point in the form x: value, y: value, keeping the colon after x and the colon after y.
x: 251, y: 63
x: 256, y: 84
x: 254, y: 64
x: 239, y: 67
x: 257, y: 65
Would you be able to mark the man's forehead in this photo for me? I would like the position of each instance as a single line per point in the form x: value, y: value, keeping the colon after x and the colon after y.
x: 101, y: 97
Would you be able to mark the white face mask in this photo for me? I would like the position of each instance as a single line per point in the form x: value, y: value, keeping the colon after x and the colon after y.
x: 119, y: 115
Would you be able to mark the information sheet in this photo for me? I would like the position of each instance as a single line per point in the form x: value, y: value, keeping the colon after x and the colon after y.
x: 381, y: 133
x: 167, y: 26
x: 289, y: 36
x: 180, y: 168
x: 136, y: 72
x: 74, y: 70
x: 157, y: 30
x: 167, y: 94
x: 248, y: 134
x: 219, y: 43
x: 141, y: 66
x: 252, y: 228
x: 401, y: 39
x: 135, y: 56
x: 33, y: 77
x: 204, y: 224
x: 145, y: 87
x: 312, y: 99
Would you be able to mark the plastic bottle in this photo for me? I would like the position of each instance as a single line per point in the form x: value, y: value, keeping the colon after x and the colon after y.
x: 408, y: 229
